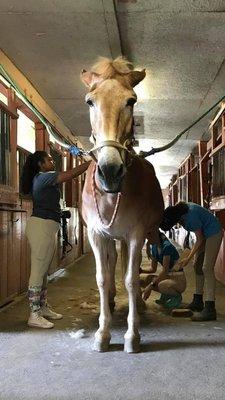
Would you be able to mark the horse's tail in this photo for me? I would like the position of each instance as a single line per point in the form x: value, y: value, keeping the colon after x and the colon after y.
x: 124, y: 258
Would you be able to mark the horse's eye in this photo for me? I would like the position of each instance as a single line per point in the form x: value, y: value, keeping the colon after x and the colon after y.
x: 90, y: 102
x: 131, y: 102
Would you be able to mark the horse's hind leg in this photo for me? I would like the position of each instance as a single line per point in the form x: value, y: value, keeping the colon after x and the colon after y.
x: 112, y: 259
x: 100, y: 248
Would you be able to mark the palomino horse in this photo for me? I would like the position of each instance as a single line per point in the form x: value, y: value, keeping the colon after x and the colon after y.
x: 122, y: 198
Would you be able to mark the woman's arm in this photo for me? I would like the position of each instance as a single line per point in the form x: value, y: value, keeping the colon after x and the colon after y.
x: 154, y: 263
x: 164, y: 273
x: 154, y: 284
x: 153, y: 267
x: 197, y: 245
x: 73, y: 173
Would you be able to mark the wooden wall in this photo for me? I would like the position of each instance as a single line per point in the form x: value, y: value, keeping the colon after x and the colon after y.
x: 15, y: 210
x: 15, y: 254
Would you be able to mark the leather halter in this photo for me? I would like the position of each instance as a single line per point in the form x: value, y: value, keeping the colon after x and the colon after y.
x: 108, y: 143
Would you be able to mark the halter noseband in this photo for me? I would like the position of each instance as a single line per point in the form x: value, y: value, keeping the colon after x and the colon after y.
x: 108, y: 143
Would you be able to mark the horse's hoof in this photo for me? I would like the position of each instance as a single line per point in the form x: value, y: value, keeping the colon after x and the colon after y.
x: 101, y: 345
x: 112, y: 306
x: 132, y: 345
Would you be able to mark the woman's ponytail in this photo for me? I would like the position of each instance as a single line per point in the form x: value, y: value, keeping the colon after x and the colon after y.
x: 30, y: 169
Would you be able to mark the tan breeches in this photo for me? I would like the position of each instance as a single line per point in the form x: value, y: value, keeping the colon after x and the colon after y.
x: 41, y: 234
x: 175, y: 284
x: 204, y: 266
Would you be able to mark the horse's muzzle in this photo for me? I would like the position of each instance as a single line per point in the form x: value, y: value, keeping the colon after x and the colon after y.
x: 110, y: 176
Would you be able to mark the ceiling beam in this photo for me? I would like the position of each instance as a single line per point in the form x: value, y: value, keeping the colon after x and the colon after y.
x: 112, y: 28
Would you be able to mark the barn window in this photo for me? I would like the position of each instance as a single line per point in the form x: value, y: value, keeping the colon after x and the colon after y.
x: 25, y: 133
x: 25, y: 141
x: 59, y: 166
x: 3, y: 98
x: 3, y: 90
x: 218, y: 177
x: 183, y: 188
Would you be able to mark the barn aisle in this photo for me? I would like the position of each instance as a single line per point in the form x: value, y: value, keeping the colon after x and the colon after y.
x: 180, y: 359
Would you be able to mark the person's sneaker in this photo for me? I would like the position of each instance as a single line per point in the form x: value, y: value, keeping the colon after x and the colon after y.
x: 207, y: 314
x: 47, y: 312
x: 173, y: 302
x: 197, y: 303
x: 36, y: 320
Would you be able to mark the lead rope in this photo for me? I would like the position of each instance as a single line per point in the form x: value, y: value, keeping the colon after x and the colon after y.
x: 96, y: 204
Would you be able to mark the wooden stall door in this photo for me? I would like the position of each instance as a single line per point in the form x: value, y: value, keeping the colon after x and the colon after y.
x: 194, y: 186
x: 4, y: 231
x: 15, y: 255
x: 10, y: 238
x: 14, y: 249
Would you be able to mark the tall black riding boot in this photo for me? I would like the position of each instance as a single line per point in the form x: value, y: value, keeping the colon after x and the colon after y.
x: 197, y: 303
x: 207, y: 314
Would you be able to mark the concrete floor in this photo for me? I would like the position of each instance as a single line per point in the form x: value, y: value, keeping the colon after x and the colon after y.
x: 180, y: 359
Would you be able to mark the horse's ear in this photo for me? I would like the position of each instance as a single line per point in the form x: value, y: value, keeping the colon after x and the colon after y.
x: 134, y: 77
x: 89, y: 78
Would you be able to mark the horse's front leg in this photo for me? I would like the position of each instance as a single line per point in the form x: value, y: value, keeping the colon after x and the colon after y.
x: 132, y: 337
x: 99, y: 245
x: 112, y: 259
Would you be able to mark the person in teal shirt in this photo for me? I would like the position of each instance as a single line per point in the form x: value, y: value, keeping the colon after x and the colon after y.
x: 208, y: 232
x: 169, y: 283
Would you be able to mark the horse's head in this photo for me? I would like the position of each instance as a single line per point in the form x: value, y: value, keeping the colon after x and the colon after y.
x: 111, y: 99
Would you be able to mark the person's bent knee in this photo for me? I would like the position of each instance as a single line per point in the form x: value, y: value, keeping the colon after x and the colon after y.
x: 162, y: 288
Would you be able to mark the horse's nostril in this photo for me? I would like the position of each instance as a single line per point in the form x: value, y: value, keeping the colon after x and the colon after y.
x: 110, y: 172
x: 100, y: 173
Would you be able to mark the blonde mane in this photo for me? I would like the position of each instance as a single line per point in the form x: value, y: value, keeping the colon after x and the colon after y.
x: 107, y: 68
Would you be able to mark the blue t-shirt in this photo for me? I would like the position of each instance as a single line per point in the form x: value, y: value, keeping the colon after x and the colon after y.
x: 46, y: 196
x: 199, y: 218
x: 167, y: 249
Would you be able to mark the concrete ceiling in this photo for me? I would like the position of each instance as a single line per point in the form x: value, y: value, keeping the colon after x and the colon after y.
x: 181, y: 43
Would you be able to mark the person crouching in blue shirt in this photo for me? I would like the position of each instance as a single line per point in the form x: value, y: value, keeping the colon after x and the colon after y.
x: 169, y: 283
x: 208, y: 232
